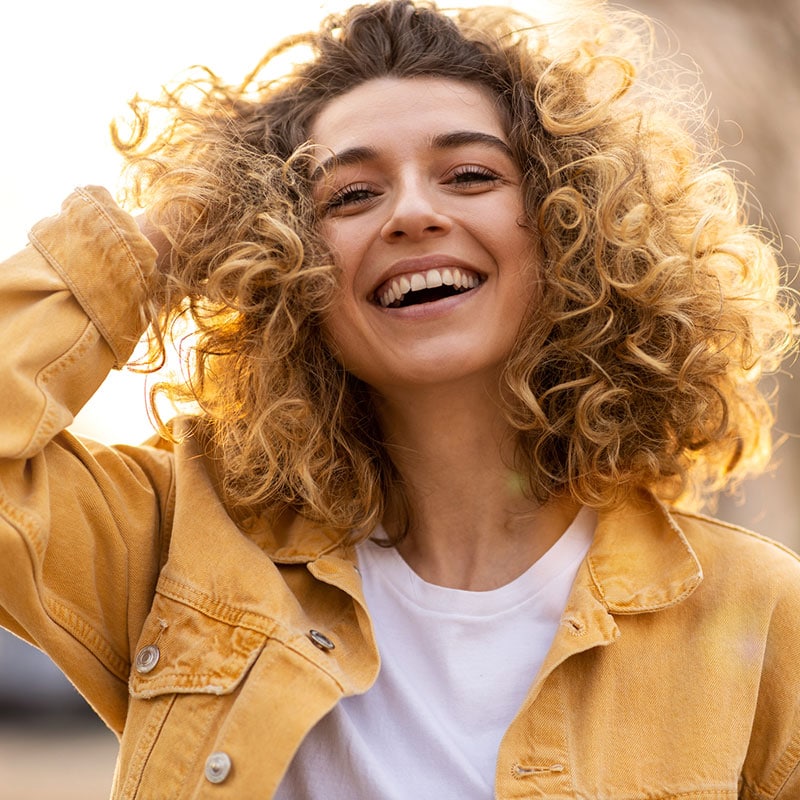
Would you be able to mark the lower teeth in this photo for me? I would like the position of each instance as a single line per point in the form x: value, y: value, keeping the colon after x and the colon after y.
x: 427, y: 296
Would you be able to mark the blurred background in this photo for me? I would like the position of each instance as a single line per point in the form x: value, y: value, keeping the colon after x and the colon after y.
x: 69, y: 69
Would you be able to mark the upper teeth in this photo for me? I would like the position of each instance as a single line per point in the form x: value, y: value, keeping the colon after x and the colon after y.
x: 399, y: 287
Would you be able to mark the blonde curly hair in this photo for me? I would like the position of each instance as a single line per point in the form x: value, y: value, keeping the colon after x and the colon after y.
x: 660, y: 308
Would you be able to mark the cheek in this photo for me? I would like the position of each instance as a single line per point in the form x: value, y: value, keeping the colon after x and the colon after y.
x: 523, y: 293
x: 335, y: 322
x: 341, y: 326
x: 530, y: 309
x: 342, y: 235
x: 340, y: 322
x: 346, y: 249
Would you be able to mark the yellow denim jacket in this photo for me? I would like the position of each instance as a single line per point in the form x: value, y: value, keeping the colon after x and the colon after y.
x: 211, y: 651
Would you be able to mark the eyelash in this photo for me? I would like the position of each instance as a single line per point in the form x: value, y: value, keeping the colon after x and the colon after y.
x: 474, y: 175
x: 349, y: 196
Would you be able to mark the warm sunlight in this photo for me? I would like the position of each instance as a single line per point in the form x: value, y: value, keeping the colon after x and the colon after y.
x: 70, y: 68
x: 471, y: 514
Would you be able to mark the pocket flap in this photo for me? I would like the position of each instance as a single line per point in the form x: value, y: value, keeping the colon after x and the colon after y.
x: 182, y: 650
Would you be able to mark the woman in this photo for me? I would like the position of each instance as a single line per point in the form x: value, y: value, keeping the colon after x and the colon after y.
x: 471, y: 310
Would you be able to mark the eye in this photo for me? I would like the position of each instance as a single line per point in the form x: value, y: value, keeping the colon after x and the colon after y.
x: 469, y: 175
x: 348, y: 197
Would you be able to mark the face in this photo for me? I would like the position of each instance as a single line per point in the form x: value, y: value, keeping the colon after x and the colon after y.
x: 421, y: 205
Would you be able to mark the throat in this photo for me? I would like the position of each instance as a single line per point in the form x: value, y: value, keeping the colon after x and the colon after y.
x: 461, y: 554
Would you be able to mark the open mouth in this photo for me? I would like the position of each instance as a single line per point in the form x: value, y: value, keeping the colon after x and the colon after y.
x: 425, y: 287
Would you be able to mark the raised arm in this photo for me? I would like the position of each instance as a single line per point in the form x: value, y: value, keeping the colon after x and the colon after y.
x: 82, y: 527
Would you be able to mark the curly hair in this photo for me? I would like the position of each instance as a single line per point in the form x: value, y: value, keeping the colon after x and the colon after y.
x: 660, y: 306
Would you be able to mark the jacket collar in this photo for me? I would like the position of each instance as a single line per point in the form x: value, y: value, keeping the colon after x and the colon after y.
x: 290, y: 539
x: 640, y: 560
x: 294, y: 539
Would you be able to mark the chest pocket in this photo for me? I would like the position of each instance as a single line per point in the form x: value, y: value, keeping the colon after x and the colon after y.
x: 186, y: 674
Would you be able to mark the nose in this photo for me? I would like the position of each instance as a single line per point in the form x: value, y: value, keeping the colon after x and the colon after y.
x: 415, y: 214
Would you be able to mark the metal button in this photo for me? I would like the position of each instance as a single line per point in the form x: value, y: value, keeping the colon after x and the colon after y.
x: 218, y: 766
x: 320, y: 640
x: 147, y: 658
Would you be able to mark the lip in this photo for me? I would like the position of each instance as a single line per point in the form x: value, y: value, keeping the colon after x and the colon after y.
x: 422, y: 264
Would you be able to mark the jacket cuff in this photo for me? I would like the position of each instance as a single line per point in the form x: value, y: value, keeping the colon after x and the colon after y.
x: 105, y: 261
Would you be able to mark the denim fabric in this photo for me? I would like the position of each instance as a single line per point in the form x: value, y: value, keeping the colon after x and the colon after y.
x: 674, y: 673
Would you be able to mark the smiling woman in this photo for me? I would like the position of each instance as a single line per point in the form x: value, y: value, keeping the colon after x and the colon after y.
x: 478, y: 321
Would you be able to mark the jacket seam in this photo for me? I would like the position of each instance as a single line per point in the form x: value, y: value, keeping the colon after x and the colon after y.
x: 562, y: 703
x: 789, y: 774
x: 88, y: 636
x: 699, y: 793
x: 47, y: 426
x: 144, y: 748
x: 786, y: 766
x: 752, y: 792
x: 729, y: 526
x: 76, y: 292
x: 25, y: 523
x: 115, y: 228
x: 214, y: 608
x: 75, y: 288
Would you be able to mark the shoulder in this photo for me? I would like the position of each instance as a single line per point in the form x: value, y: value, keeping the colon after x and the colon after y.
x: 731, y: 539
x: 756, y: 565
x: 755, y: 585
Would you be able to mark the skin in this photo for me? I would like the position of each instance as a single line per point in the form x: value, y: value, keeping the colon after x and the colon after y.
x: 418, y: 177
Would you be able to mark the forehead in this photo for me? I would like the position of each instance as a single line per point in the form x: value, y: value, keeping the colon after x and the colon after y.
x: 399, y: 108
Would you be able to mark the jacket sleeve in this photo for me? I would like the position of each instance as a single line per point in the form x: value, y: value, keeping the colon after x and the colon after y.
x: 82, y: 527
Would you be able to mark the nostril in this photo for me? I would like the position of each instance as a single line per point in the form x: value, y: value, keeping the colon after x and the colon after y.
x: 415, y: 226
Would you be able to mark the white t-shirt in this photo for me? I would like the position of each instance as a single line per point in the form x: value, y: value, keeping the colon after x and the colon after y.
x: 455, y: 668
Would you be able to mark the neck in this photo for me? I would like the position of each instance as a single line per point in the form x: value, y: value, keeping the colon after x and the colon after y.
x: 472, y: 525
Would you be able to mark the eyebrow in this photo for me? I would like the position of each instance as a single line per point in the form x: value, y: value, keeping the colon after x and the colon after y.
x: 442, y: 141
